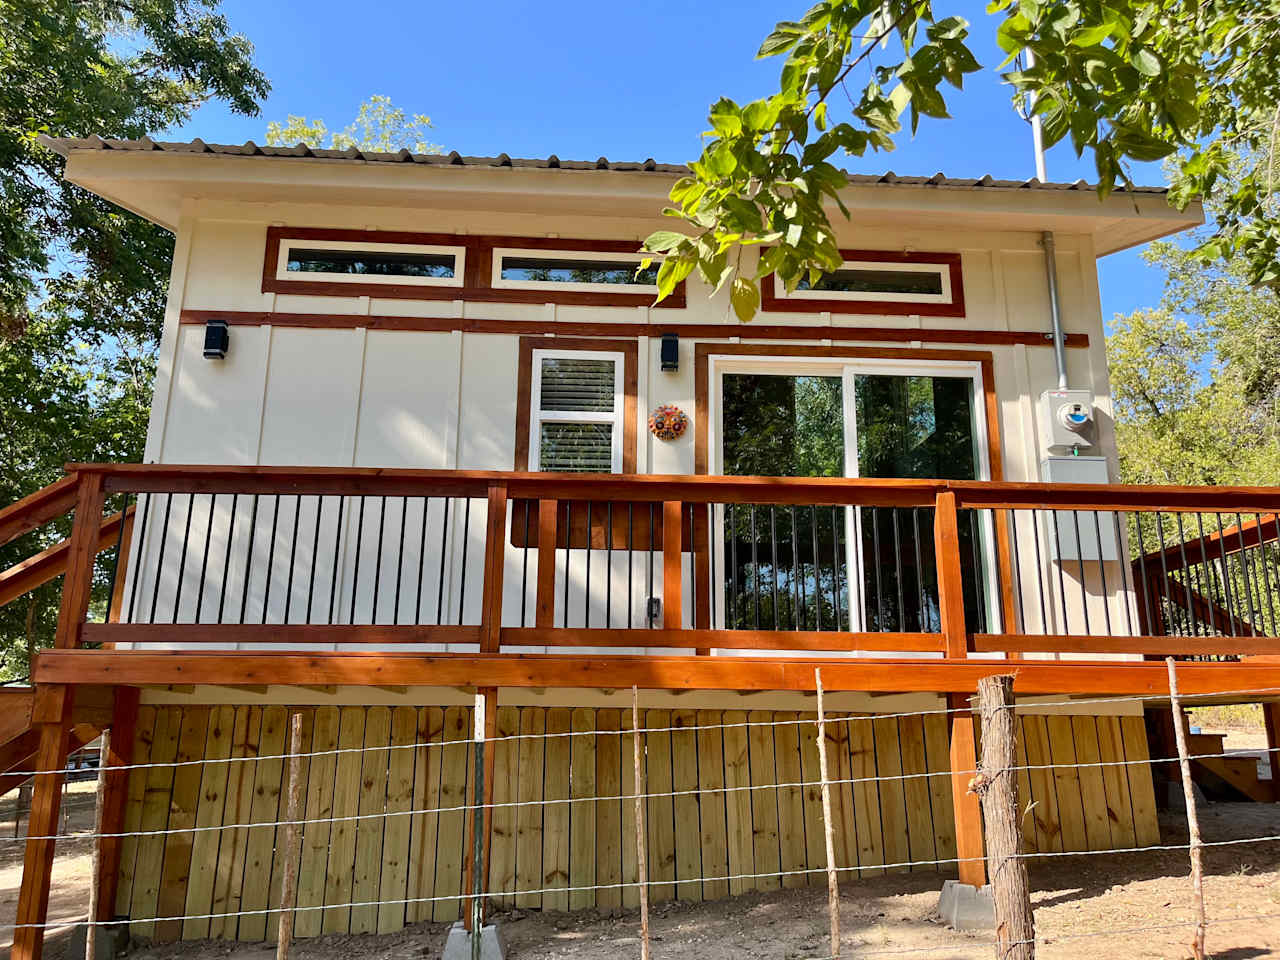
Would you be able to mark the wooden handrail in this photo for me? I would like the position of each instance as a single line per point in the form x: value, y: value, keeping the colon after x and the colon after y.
x: 37, y: 509
x: 48, y: 564
x: 198, y: 478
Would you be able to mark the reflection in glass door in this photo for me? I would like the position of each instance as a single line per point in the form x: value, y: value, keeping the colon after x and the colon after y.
x: 835, y: 568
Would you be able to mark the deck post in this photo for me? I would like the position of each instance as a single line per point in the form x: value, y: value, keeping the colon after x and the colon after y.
x: 1271, y: 719
x: 51, y: 716
x: 672, y: 588
x: 965, y: 804
x: 946, y: 541
x: 119, y: 754
x: 545, y: 605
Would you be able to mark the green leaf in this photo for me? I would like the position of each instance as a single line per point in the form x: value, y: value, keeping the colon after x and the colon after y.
x: 784, y: 37
x: 1091, y: 36
x: 1147, y: 63
x: 744, y: 296
x: 663, y: 241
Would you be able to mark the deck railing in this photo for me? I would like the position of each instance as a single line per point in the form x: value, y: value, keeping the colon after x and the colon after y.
x: 271, y: 557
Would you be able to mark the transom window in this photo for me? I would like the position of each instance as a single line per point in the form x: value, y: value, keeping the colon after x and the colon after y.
x: 527, y: 269
x: 575, y: 423
x: 870, y: 281
x: 346, y: 262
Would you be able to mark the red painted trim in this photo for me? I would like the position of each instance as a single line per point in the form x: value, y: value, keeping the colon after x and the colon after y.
x: 772, y: 303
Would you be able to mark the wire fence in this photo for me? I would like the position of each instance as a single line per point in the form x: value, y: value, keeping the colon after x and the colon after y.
x: 644, y: 787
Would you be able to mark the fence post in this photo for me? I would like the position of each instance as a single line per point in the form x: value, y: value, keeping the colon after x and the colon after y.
x: 946, y: 545
x: 642, y: 866
x: 1193, y: 819
x: 833, y: 885
x: 997, y: 787
x: 292, y: 842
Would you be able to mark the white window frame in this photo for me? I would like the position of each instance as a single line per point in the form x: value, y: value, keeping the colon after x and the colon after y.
x: 501, y: 283
x: 943, y: 270
x: 538, y: 416
x: 848, y: 368
x: 288, y: 244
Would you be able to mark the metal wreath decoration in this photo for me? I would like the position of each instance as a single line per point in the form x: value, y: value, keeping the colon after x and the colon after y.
x: 668, y: 422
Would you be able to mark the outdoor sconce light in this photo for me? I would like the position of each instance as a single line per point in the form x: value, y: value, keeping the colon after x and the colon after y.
x: 670, y: 355
x: 216, y: 339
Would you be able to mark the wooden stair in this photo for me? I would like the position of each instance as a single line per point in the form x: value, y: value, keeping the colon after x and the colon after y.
x: 1221, y: 776
x: 19, y: 742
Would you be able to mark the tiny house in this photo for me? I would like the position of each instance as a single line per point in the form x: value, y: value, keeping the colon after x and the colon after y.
x: 420, y: 430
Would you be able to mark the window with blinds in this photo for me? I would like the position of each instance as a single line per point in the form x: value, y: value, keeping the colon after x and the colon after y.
x: 576, y: 420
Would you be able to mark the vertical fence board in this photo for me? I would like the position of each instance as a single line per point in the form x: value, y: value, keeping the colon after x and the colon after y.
x: 628, y: 788
x: 182, y: 816
x: 1146, y: 824
x: 1067, y: 779
x: 737, y: 776
x: 582, y: 815
x: 660, y: 811
x: 423, y: 826
x: 393, y: 883
x: 346, y: 803
x: 555, y: 815
x: 815, y: 852
x: 315, y: 837
x: 308, y: 720
x: 608, y: 812
x: 893, y: 804
x: 1116, y: 781
x: 1025, y: 800
x: 143, y: 735
x: 230, y: 873
x: 786, y: 739
x: 915, y: 789
x: 209, y: 813
x: 502, y: 851
x: 453, y: 797
x: 1093, y: 792
x: 686, y: 808
x: 155, y: 816
x: 529, y: 813
x: 762, y: 769
x: 937, y: 750
x: 1044, y: 787
x: 260, y: 846
x: 866, y: 797
x: 715, y: 840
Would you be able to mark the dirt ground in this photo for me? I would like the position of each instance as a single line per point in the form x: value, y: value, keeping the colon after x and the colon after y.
x: 1124, y: 905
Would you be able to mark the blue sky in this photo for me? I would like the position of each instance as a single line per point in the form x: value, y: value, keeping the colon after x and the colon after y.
x: 583, y: 79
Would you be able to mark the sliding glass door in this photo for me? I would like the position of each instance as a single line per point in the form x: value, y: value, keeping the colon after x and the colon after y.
x: 844, y: 568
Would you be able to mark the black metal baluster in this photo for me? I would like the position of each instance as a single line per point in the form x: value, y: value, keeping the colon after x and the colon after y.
x: 226, y: 560
x: 711, y: 556
x: 1102, y: 574
x: 1062, y: 583
x: 377, y: 559
x: 817, y: 568
x: 773, y: 547
x: 755, y: 565
x: 648, y: 614
x: 164, y: 539
x: 693, y: 572
x: 1186, y: 576
x: 1266, y: 575
x: 797, y: 572
x: 182, y: 557
x: 337, y: 559
x: 1245, y: 573
x: 1227, y: 587
x: 293, y: 556
x: 140, y: 553
x: 586, y: 592
x: 631, y: 565
x: 568, y: 553
x: 1084, y: 594
x: 524, y: 569
x: 1124, y: 572
x: 271, y: 557
x: 875, y: 549
x: 835, y: 568
x: 915, y: 533
x: 447, y: 503
x: 404, y: 517
x: 1206, y: 573
x: 115, y: 563
x: 1165, y: 581
x: 315, y: 554
x: 979, y: 580
x: 1146, y: 577
x: 901, y: 618
x: 1040, y: 573
x: 733, y: 568
x: 608, y: 566
x: 355, y: 571
x: 248, y: 557
x: 466, y: 542
x: 422, y: 560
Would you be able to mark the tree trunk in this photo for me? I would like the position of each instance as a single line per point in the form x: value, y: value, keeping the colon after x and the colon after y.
x: 997, y: 785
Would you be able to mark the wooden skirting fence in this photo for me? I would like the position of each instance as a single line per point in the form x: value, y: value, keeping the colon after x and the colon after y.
x: 392, y: 762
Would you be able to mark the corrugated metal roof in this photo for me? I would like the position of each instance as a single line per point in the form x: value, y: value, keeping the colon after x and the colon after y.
x: 64, y: 146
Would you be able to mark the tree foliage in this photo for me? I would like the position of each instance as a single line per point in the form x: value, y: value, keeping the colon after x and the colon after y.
x: 379, y: 126
x: 82, y: 282
x: 1126, y: 80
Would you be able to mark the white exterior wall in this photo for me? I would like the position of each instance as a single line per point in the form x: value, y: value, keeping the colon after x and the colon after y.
x: 360, y: 397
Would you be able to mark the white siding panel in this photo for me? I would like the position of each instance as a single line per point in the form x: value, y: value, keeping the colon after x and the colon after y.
x: 226, y: 266
x: 312, y: 397
x: 408, y: 400
x: 216, y: 409
x: 487, y: 422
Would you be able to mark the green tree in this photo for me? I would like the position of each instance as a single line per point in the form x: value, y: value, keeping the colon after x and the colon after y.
x: 1127, y: 80
x: 83, y: 283
x: 379, y: 126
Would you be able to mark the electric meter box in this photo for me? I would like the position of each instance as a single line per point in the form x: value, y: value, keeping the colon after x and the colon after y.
x: 1078, y: 535
x: 1067, y: 420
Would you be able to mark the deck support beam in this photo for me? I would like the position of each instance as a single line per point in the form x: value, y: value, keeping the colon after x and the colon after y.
x: 123, y: 729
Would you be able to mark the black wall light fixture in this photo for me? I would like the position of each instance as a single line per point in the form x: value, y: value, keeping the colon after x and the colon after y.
x: 217, y: 338
x: 670, y: 355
